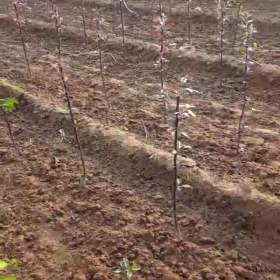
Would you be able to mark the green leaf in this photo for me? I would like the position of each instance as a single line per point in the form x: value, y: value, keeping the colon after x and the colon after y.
x: 7, y: 278
x: 197, y: 11
x: 135, y: 267
x: 129, y: 274
x: 8, y: 103
x: 3, y: 265
x: 15, y: 262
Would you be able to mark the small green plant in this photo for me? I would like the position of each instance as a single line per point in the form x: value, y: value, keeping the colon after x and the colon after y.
x: 197, y: 11
x: 186, y: 177
x: 126, y: 268
x: 3, y: 267
x: 7, y: 106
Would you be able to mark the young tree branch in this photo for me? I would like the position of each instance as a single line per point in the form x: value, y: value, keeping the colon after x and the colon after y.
x: 236, y: 24
x: 189, y: 20
x: 248, y: 32
x: 175, y: 163
x: 84, y: 23
x: 22, y: 38
x: 123, y: 31
x: 25, y: 18
x: 10, y: 130
x: 222, y: 27
x: 63, y: 79
x: 162, y: 26
x: 99, y: 41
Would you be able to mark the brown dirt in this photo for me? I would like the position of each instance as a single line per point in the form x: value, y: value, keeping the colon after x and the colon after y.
x: 229, y: 220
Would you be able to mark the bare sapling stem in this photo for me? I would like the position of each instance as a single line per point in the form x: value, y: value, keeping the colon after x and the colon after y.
x: 249, y: 29
x: 64, y: 79
x: 123, y: 31
x: 162, y: 25
x: 175, y: 163
x: 221, y: 51
x: 48, y: 6
x: 178, y: 110
x: 25, y: 18
x: 99, y: 41
x: 222, y: 30
x: 170, y: 7
x: 10, y: 130
x: 7, y: 9
x: 113, y: 3
x: 152, y: 8
x: 22, y: 38
x: 8, y: 15
x: 189, y: 20
x: 51, y: 4
x: 125, y: 5
x: 236, y: 24
x: 84, y: 23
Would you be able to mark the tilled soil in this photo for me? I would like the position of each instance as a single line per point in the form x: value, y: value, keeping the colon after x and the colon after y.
x: 204, y: 32
x: 58, y: 229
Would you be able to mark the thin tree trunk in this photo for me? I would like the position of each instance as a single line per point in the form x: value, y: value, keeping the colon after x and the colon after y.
x: 63, y: 79
x: 127, y: 7
x: 236, y: 27
x: 152, y: 9
x: 189, y: 21
x: 84, y: 23
x: 161, y: 53
x: 10, y: 131
x: 101, y: 65
x: 8, y: 15
x: 26, y: 20
x: 240, y: 124
x: 123, y: 32
x: 48, y: 6
x: 175, y: 163
x: 222, y: 45
x: 22, y: 38
x: 52, y: 7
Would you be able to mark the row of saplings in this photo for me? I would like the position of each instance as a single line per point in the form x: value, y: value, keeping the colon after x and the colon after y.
x: 7, y: 105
